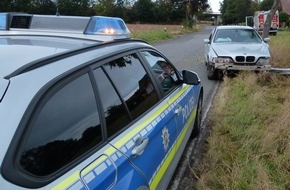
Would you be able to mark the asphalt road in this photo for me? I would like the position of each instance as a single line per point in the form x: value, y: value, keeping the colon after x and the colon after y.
x: 187, y: 52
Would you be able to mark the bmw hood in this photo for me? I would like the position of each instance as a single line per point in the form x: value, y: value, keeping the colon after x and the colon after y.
x: 250, y: 49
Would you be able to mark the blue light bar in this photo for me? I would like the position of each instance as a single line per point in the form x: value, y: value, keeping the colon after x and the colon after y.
x: 3, y: 21
x: 107, y: 26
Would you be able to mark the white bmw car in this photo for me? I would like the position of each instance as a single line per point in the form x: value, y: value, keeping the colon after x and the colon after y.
x: 232, y: 48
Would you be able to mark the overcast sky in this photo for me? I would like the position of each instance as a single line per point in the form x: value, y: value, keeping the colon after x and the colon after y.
x: 215, y: 5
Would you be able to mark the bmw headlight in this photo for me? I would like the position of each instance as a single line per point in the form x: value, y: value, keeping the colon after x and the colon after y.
x: 222, y: 60
x: 263, y: 61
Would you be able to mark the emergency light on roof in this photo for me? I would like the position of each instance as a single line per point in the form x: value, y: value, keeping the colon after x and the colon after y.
x: 3, y: 21
x: 95, y: 25
x: 107, y: 25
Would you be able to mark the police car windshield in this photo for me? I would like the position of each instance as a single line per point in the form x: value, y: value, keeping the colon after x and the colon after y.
x: 17, y: 51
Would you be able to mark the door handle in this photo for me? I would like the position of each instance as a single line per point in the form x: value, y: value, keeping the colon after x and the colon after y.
x: 178, y: 110
x: 140, y: 145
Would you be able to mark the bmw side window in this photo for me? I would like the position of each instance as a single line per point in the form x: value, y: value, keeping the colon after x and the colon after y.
x: 163, y: 70
x: 65, y: 127
x: 128, y: 83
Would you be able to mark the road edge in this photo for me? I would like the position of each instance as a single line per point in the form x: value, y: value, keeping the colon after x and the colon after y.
x: 193, y: 152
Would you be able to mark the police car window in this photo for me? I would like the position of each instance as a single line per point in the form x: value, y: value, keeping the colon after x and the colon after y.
x: 163, y: 70
x: 115, y: 112
x: 132, y: 83
x: 65, y: 128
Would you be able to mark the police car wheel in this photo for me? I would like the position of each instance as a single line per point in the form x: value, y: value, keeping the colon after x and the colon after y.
x: 198, y: 117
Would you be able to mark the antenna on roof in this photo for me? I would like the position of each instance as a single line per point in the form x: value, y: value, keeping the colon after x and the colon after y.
x: 57, y: 12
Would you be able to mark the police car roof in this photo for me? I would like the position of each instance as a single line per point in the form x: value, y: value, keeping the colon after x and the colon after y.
x: 17, y: 51
x: 25, y: 38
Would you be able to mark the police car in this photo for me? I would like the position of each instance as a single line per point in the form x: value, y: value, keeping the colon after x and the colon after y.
x: 83, y: 106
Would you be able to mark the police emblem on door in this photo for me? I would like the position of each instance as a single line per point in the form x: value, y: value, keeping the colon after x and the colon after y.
x: 165, y: 137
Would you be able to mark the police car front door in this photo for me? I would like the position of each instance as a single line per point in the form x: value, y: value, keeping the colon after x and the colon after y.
x: 138, y: 124
x: 150, y: 142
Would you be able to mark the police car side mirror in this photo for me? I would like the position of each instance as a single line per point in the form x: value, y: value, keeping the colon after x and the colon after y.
x: 190, y: 77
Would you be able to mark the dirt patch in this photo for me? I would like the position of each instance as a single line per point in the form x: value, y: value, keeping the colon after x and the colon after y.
x: 136, y: 28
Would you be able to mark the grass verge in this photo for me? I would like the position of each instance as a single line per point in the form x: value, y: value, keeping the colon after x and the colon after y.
x: 153, y: 36
x: 280, y: 48
x: 156, y: 33
x: 249, y: 145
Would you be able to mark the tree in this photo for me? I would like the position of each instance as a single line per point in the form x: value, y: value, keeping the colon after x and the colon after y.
x: 195, y: 6
x: 75, y: 7
x: 267, y: 25
x: 145, y: 10
x: 6, y: 5
x: 163, y: 10
x: 283, y: 17
x: 235, y: 11
x: 228, y: 11
x: 105, y: 7
x: 43, y: 7
x: 243, y: 9
x: 23, y: 6
x: 266, y: 5
x: 178, y: 10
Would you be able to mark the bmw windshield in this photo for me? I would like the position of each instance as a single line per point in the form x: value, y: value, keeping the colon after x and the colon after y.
x: 237, y: 36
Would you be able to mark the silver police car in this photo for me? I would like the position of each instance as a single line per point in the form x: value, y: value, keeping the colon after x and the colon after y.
x: 83, y: 106
x: 234, y: 48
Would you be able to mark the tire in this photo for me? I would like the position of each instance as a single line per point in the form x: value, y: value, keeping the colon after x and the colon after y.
x: 198, y: 117
x: 212, y: 73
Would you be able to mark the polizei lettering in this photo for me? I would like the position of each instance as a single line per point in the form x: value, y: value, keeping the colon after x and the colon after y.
x: 187, y: 109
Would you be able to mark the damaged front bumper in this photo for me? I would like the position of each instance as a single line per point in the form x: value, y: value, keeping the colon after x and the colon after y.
x: 224, y: 66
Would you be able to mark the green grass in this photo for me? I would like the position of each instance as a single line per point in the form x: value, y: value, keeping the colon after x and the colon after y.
x: 153, y: 36
x: 280, y: 48
x: 249, y: 144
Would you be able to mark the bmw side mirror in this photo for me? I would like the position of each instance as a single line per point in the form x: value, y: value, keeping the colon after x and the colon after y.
x: 206, y: 41
x: 266, y: 40
x: 190, y: 77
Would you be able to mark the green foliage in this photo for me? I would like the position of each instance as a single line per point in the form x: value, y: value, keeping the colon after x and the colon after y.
x: 187, y: 23
x: 235, y: 11
x: 43, y: 6
x: 6, y: 6
x: 266, y: 5
x: 288, y: 23
x: 105, y: 7
x: 49, y: 7
x: 145, y: 11
x: 162, y: 9
x: 199, y: 5
x: 75, y: 7
x: 283, y: 17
